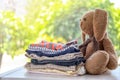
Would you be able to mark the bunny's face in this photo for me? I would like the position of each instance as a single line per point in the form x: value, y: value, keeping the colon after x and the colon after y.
x: 94, y: 23
x: 86, y: 23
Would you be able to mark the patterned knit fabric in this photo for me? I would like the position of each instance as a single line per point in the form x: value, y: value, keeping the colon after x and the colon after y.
x: 53, y: 46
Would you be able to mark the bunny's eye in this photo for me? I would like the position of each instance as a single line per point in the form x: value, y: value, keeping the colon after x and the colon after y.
x: 84, y: 19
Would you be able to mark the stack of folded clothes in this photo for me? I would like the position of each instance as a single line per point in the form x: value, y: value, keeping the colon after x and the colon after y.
x: 55, y: 57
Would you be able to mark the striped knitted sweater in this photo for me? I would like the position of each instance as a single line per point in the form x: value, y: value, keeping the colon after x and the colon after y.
x: 53, y: 46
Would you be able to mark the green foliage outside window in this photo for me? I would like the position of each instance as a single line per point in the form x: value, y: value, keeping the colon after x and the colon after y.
x: 52, y: 20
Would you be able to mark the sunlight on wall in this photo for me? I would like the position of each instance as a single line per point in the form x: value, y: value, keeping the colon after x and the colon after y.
x: 8, y: 63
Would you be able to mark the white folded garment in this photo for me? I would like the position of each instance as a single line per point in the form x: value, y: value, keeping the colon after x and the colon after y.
x: 71, y: 70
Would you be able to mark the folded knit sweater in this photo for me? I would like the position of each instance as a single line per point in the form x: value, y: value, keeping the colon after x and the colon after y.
x: 42, y: 51
x: 71, y: 62
x: 53, y: 46
x: 67, y: 56
x: 51, y: 68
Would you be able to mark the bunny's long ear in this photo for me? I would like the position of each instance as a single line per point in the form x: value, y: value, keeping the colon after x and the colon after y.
x: 83, y: 37
x: 99, y: 24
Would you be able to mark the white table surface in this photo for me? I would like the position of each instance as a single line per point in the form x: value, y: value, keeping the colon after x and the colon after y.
x: 22, y: 74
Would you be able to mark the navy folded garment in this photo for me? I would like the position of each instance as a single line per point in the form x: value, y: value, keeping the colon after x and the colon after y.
x: 40, y: 51
x: 71, y: 62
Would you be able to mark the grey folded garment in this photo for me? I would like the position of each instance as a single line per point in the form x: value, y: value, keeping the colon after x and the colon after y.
x: 61, y: 57
x: 79, y: 70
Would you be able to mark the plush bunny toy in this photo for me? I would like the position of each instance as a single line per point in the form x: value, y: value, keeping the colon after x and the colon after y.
x: 99, y: 53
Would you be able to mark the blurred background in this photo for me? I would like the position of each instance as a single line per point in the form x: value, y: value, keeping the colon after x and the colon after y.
x: 28, y: 21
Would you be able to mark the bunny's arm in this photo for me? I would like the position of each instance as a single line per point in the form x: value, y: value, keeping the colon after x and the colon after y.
x: 83, y: 37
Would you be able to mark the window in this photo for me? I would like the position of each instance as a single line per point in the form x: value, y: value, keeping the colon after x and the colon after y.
x: 23, y: 22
